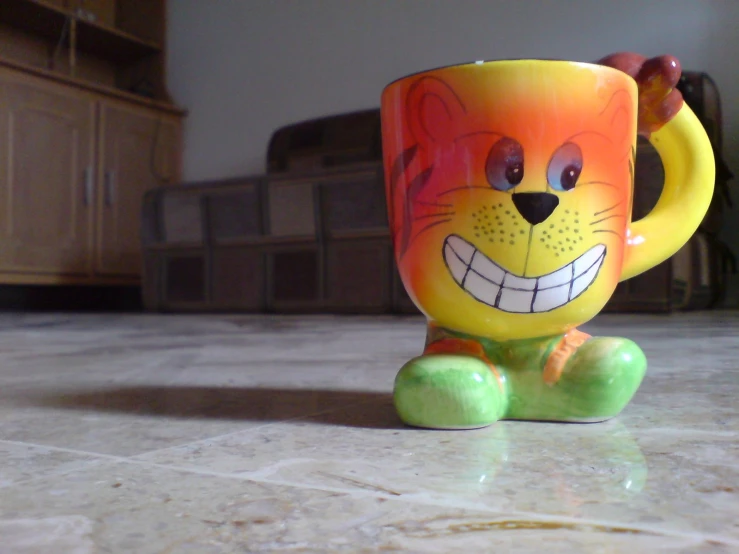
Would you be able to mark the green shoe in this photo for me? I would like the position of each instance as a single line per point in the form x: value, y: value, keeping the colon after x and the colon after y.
x: 602, y: 377
x: 447, y: 391
x: 597, y: 382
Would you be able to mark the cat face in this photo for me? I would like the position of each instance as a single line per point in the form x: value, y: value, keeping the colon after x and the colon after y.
x: 509, y: 191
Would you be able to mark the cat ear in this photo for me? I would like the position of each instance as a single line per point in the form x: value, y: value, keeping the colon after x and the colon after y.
x: 618, y: 113
x: 432, y: 106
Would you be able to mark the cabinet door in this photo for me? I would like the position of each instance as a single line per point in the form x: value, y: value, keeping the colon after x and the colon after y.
x: 46, y: 176
x: 139, y: 150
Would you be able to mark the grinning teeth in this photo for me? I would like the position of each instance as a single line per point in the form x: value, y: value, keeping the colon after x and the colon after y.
x: 582, y: 282
x: 491, y: 284
x: 463, y: 249
x: 586, y: 261
x: 457, y: 267
x: 514, y: 282
x: 486, y: 268
x: 482, y: 289
x: 548, y: 299
x: 512, y: 300
x: 560, y: 277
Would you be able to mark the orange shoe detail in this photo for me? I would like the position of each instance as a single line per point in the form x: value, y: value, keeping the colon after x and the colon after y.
x: 558, y: 358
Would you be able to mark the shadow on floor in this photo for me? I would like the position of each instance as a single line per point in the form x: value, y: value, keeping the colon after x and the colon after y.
x: 364, y: 409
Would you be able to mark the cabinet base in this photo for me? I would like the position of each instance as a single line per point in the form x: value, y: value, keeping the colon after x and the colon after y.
x: 70, y: 298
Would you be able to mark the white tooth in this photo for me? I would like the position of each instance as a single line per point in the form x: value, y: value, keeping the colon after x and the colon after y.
x: 463, y: 248
x: 524, y: 283
x: 583, y: 282
x: 559, y: 277
x: 586, y: 261
x: 551, y: 298
x: 515, y: 301
x: 488, y: 269
x: 456, y: 266
x: 483, y: 290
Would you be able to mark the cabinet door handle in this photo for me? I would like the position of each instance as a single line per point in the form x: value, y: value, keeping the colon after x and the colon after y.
x: 109, y: 187
x: 88, y: 186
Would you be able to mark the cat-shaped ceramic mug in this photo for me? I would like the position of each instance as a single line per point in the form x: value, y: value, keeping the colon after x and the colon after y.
x: 509, y: 188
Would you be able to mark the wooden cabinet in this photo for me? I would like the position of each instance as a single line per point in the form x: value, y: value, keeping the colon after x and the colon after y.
x: 74, y: 168
x: 46, y: 164
x: 87, y: 126
x: 138, y: 150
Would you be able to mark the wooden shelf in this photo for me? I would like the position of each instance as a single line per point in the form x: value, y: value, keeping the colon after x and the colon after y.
x: 101, y: 89
x: 47, y: 20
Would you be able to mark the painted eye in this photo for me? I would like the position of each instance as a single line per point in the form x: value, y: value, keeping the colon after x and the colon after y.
x: 565, y: 167
x: 504, y: 166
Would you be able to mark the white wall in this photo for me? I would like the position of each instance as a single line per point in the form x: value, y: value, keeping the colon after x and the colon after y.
x: 245, y: 67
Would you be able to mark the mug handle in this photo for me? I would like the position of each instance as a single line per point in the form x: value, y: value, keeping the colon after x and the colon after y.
x: 690, y: 171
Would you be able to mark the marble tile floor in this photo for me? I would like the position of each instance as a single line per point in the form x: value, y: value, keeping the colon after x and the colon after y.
x: 218, y: 434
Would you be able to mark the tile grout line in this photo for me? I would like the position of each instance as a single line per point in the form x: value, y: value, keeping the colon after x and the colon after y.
x: 80, y: 464
x: 63, y: 449
x: 411, y: 499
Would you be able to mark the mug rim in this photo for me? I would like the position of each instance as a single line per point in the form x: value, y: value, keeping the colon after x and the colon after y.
x: 488, y: 62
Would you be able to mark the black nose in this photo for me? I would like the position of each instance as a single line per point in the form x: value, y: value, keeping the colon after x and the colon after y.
x: 535, y: 207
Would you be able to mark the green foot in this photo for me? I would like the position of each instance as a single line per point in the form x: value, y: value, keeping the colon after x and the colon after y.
x: 462, y: 391
x: 597, y: 382
x: 445, y: 391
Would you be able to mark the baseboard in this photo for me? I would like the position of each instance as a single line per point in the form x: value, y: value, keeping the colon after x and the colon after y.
x: 39, y: 298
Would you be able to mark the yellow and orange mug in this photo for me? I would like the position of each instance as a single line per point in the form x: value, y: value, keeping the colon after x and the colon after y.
x: 510, y: 183
x: 509, y: 188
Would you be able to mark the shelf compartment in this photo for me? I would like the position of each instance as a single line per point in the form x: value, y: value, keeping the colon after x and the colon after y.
x: 46, y: 20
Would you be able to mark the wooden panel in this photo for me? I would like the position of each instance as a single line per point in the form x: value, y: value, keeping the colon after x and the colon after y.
x: 291, y: 210
x: 136, y: 149
x: 24, y: 48
x: 152, y: 231
x: 354, y: 205
x: 295, y: 278
x: 143, y: 18
x: 238, y: 278
x: 334, y: 141
x: 185, y: 279
x: 151, y: 290
x: 358, y: 275
x: 649, y: 292
x: 182, y: 217
x: 237, y: 214
x: 44, y: 161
